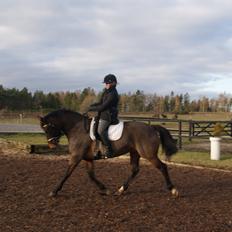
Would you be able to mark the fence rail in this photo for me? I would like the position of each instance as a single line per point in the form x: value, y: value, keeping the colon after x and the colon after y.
x: 178, y: 128
x: 187, y: 128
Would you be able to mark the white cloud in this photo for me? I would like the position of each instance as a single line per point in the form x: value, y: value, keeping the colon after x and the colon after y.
x: 156, y: 46
x: 11, y: 37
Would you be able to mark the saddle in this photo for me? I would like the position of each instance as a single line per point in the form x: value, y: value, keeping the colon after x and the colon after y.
x: 114, y: 131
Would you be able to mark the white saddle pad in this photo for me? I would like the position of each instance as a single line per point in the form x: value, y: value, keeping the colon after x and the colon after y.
x: 114, y: 131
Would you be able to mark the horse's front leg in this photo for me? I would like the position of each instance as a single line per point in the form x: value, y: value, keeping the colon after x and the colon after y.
x: 91, y: 173
x: 75, y: 160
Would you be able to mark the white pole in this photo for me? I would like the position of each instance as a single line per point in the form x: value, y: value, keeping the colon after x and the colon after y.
x: 215, y: 148
x: 20, y: 118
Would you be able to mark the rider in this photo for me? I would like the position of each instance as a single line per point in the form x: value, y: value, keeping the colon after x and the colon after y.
x: 107, y: 110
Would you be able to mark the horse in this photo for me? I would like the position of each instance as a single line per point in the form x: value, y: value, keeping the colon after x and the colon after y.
x: 138, y: 139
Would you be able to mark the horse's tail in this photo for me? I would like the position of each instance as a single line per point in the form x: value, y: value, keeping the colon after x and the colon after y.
x: 169, y: 144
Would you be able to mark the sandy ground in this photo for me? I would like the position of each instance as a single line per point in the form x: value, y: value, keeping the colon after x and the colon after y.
x: 26, y: 180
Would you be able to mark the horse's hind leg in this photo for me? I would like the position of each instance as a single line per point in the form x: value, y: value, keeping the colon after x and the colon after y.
x: 91, y: 173
x: 163, y: 168
x: 134, y: 160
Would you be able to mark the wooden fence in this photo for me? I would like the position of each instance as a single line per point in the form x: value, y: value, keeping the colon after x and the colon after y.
x: 180, y: 129
x: 186, y: 128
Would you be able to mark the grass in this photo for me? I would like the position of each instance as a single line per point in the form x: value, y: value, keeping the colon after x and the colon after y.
x: 214, y: 116
x: 203, y: 159
x: 184, y: 157
x: 30, y: 138
x: 34, y: 121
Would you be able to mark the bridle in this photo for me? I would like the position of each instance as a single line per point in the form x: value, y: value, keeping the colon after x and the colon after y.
x: 55, y: 138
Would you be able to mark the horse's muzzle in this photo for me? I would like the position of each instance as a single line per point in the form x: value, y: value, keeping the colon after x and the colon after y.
x: 53, y: 142
x: 52, y: 145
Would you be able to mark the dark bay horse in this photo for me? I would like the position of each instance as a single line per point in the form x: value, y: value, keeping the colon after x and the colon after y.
x: 138, y: 139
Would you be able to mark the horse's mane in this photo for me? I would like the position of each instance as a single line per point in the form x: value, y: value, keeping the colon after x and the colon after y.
x: 60, y: 112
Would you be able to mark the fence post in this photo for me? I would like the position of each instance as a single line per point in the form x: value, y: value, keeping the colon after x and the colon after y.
x: 190, y: 130
x: 20, y: 118
x: 193, y: 129
x: 180, y: 134
x: 231, y: 128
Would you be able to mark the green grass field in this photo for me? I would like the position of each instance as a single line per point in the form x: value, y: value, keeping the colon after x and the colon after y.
x: 17, y: 120
x: 203, y: 159
x: 30, y: 138
x: 184, y: 157
x: 221, y: 116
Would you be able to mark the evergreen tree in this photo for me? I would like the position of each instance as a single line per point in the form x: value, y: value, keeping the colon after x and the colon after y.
x: 172, y: 102
x: 186, y: 104
x: 138, y: 101
x: 14, y: 99
x: 38, y: 100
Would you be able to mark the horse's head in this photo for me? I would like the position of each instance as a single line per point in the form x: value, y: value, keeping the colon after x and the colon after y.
x: 57, y: 123
x: 53, y: 133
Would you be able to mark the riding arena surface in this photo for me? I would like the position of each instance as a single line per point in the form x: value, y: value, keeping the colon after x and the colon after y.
x: 204, y: 203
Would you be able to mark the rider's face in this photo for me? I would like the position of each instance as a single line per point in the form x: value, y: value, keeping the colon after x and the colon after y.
x: 107, y: 86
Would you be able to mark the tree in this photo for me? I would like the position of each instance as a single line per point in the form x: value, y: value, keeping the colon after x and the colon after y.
x: 25, y: 99
x: 137, y: 103
x: 124, y: 103
x: 204, y: 104
x: 186, y: 103
x: 177, y: 108
x: 149, y: 103
x: 14, y: 99
x: 223, y: 103
x: 172, y: 102
x: 166, y: 104
x: 38, y: 100
x: 88, y: 100
x: 71, y: 101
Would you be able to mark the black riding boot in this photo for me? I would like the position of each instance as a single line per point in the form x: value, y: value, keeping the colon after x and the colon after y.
x: 109, y: 151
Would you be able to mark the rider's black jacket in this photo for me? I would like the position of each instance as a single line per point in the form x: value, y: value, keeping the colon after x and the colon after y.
x: 107, y: 108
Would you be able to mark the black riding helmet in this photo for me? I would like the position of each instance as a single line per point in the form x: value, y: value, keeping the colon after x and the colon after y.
x: 110, y: 78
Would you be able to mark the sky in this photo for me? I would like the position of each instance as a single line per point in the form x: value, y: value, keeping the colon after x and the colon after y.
x: 156, y: 46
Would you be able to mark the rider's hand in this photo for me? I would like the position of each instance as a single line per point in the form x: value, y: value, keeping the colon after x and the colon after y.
x: 85, y: 113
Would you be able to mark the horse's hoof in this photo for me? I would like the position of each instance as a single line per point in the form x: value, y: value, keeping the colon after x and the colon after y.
x: 120, y: 191
x: 52, y: 194
x: 175, y: 192
x: 105, y: 192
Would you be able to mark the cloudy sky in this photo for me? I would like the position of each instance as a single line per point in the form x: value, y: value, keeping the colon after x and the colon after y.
x: 157, y: 46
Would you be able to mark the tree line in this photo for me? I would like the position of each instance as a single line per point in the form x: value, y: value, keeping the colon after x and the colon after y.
x: 12, y: 99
